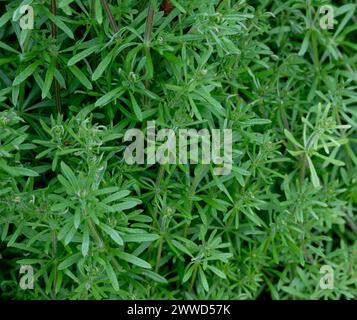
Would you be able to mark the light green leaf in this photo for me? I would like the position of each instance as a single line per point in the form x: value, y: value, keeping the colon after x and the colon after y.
x: 80, y: 56
x: 178, y: 6
x: 69, y: 261
x: 218, y: 272
x: 203, y: 280
x: 133, y: 259
x: 305, y: 44
x: 292, y: 139
x: 85, y: 241
x: 136, y: 107
x: 108, y: 97
x: 112, y: 276
x: 112, y: 233
x: 128, y: 204
x: 314, y: 178
x: 60, y: 24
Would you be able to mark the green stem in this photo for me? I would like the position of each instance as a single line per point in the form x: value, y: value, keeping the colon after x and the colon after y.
x: 304, y: 165
x: 147, y: 38
x: 158, y: 257
x: 54, y: 253
x: 95, y: 234
x: 100, y: 243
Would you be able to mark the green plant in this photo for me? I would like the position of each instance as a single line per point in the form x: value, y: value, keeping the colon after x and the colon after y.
x: 94, y: 227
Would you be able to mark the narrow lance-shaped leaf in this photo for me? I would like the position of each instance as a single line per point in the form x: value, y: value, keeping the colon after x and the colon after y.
x: 28, y: 71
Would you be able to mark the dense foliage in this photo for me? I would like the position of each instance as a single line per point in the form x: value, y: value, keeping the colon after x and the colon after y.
x: 94, y: 227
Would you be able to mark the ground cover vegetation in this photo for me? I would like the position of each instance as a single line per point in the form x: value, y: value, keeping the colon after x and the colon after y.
x: 94, y: 227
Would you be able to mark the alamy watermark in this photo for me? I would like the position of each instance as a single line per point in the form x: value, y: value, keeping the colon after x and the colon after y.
x: 327, y: 277
x: 27, y: 280
x: 27, y: 15
x: 326, y: 22
x: 183, y: 149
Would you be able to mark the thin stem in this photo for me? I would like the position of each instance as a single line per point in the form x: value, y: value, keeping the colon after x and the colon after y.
x: 92, y: 9
x: 54, y: 253
x: 149, y: 24
x: 158, y: 257
x: 100, y: 243
x: 147, y: 37
x: 54, y: 12
x: 95, y: 234
x: 110, y: 16
x: 55, y: 61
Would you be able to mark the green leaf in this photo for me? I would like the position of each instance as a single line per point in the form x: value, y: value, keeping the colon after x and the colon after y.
x: 314, y: 178
x: 203, y: 279
x: 136, y: 107
x: 16, y: 171
x: 149, y: 66
x: 213, y: 105
x: 140, y: 237
x: 103, y: 65
x: 72, y: 259
x: 112, y: 276
x: 218, y: 272
x: 292, y: 139
x: 305, y: 44
x: 188, y: 273
x: 133, y: 259
x: 253, y: 217
x: 15, y: 235
x: 128, y: 204
x: 112, y: 233
x: 81, y: 77
x: 48, y: 81
x: 5, y: 18
x: 98, y: 12
x: 85, y: 241
x: 69, y: 174
x: 178, y: 6
x: 22, y: 76
x: 108, y: 97
x: 116, y: 196
x: 60, y: 24
x: 154, y: 276
x: 80, y: 56
x: 69, y: 237
x: 330, y: 160
x: 181, y: 247
x: 8, y: 48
